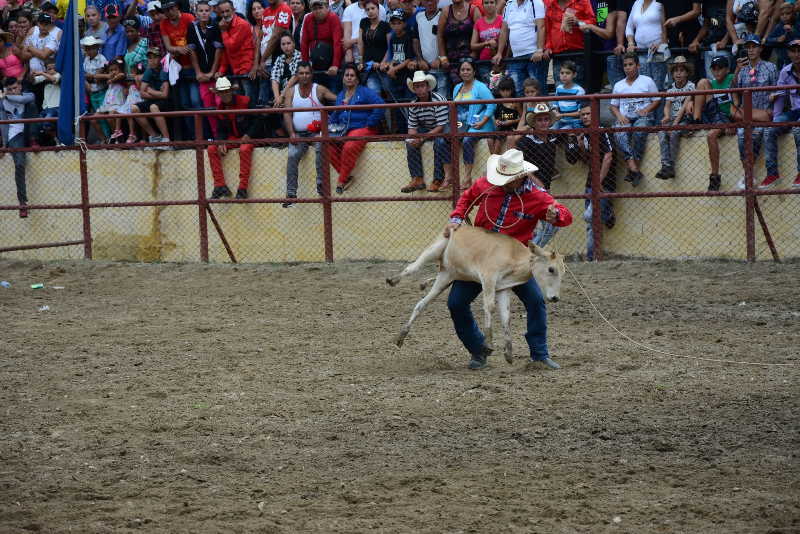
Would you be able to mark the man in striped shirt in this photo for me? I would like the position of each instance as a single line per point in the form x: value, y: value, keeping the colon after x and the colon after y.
x: 427, y: 119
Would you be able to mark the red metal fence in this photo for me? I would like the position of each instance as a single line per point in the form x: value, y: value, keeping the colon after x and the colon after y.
x: 81, y: 199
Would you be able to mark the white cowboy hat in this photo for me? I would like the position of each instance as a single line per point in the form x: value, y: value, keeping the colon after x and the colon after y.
x: 223, y: 84
x: 420, y: 77
x: 91, y: 41
x: 507, y: 167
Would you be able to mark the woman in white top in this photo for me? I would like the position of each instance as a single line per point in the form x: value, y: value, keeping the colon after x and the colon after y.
x: 645, y: 30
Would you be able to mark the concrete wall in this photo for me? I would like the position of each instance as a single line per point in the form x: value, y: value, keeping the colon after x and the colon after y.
x: 659, y: 228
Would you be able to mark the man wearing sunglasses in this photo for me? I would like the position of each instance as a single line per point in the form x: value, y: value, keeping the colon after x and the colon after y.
x: 752, y: 71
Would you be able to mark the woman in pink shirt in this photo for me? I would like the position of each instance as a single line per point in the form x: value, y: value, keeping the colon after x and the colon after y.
x: 485, y: 36
x: 10, y: 64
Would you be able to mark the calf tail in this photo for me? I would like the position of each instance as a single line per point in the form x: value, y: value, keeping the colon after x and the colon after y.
x: 433, y: 253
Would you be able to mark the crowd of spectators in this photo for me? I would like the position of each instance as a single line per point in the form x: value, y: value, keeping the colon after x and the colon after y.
x: 162, y: 55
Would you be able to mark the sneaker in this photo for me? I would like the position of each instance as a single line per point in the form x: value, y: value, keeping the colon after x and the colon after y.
x: 610, y: 222
x: 339, y: 190
x: 320, y: 192
x: 741, y: 185
x: 116, y: 136
x: 547, y: 362
x: 666, y: 172
x: 796, y: 182
x: 241, y: 193
x: 152, y: 139
x: 714, y: 181
x: 637, y: 178
x: 769, y: 181
x: 23, y: 212
x: 164, y: 147
x: 629, y: 176
x: 220, y: 192
x: 288, y: 204
x: 478, y: 361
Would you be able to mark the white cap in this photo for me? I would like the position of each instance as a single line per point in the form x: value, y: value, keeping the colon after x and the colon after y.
x: 223, y: 84
x: 153, y: 5
x: 91, y: 41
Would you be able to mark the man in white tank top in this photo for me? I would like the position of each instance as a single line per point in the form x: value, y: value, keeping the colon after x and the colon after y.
x: 299, y: 124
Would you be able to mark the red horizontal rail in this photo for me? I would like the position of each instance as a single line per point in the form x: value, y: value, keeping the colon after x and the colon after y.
x: 44, y: 245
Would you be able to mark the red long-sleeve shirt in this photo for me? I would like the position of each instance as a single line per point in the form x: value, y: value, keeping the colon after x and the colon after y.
x: 329, y: 30
x: 558, y: 40
x: 504, y: 209
x: 240, y: 49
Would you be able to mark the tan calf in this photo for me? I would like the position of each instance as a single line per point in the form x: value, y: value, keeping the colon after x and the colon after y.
x: 497, y: 262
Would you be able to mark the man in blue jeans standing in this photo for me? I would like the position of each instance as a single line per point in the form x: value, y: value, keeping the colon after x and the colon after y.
x: 506, y: 200
x: 530, y: 59
x: 789, y: 75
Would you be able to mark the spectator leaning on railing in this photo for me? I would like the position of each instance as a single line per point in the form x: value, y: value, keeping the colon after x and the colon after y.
x: 322, y: 43
x: 427, y: 45
x: 637, y: 112
x: 523, y: 31
x: 789, y: 75
x: 430, y: 120
x: 239, y: 56
x: 13, y: 102
x: 752, y: 71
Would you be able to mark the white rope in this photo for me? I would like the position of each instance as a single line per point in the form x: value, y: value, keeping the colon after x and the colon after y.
x: 663, y: 352
x: 486, y: 209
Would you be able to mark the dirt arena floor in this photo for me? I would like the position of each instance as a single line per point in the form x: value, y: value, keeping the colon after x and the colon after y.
x: 269, y: 398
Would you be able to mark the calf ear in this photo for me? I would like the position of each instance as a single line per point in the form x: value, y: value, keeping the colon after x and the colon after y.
x: 536, y: 250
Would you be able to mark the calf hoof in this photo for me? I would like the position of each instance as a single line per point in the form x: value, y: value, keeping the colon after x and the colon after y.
x: 401, y: 337
x: 392, y: 281
x: 509, y: 354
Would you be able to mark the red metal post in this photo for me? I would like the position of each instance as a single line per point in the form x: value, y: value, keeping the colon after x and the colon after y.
x: 202, y: 201
x: 86, y: 211
x: 327, y: 207
x: 765, y: 229
x: 597, y: 183
x: 455, y: 161
x: 750, y: 228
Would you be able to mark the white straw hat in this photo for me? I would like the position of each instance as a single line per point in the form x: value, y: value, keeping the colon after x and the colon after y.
x: 420, y: 77
x: 223, y: 84
x: 506, y: 167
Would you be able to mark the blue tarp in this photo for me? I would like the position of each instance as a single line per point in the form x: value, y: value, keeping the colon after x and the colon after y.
x: 65, y: 64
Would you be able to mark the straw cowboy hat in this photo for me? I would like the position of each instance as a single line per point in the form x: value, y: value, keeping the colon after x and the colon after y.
x: 91, y: 41
x: 223, y: 84
x: 681, y: 61
x: 507, y: 167
x: 420, y: 77
x: 539, y: 109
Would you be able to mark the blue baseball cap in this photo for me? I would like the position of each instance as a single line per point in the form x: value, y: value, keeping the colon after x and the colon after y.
x: 751, y: 38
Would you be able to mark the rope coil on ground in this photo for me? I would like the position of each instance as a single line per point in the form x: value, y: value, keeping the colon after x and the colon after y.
x: 663, y: 352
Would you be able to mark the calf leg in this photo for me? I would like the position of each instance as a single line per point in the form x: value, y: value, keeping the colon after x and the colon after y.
x: 504, y: 309
x: 432, y: 253
x: 441, y: 283
x: 489, y: 296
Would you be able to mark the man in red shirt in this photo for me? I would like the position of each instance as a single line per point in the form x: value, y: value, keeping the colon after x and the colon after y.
x: 321, y: 44
x: 276, y: 20
x: 563, y: 21
x: 507, y: 201
x: 174, y: 34
x: 240, y: 53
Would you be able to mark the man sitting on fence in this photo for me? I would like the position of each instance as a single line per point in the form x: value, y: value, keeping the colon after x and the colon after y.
x: 714, y: 109
x: 233, y: 127
x: 12, y: 106
x: 790, y: 75
x: 432, y: 120
x: 633, y: 112
x: 306, y: 94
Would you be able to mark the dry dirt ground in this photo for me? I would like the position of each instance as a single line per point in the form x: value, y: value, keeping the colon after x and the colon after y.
x: 269, y: 398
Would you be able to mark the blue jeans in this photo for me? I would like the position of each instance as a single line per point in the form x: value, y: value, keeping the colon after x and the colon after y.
x: 631, y: 144
x: 18, y: 141
x: 296, y: 153
x: 189, y: 98
x: 468, y: 148
x: 614, y: 69
x: 606, y: 215
x: 771, y: 141
x: 441, y: 155
x: 657, y: 70
x: 521, y: 68
x: 668, y: 143
x: 263, y: 91
x: 758, y: 137
x: 567, y: 123
x: 463, y: 293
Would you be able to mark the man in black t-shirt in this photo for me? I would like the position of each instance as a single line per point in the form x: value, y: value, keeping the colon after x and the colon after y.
x: 713, y: 33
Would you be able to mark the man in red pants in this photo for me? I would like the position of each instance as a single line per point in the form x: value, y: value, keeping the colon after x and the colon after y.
x: 233, y: 127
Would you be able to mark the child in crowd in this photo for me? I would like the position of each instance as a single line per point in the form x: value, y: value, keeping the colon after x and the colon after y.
x: 398, y: 64
x: 784, y: 32
x: 530, y: 89
x: 677, y: 110
x: 506, y: 115
x: 155, y: 98
x: 114, y: 101
x: 94, y: 64
x: 52, y: 101
x: 133, y: 98
x: 567, y: 111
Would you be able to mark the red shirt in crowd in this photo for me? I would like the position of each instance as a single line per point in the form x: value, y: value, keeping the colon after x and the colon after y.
x: 329, y: 30
x: 514, y: 214
x: 177, y: 34
x: 239, y: 52
x: 556, y: 39
x: 279, y: 16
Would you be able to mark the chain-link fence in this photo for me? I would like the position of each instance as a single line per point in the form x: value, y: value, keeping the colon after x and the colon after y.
x: 371, y: 196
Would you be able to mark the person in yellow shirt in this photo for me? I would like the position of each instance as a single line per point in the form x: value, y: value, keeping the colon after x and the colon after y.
x: 62, y: 6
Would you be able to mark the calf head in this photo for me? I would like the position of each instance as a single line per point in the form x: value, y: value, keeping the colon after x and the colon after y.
x: 548, y: 269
